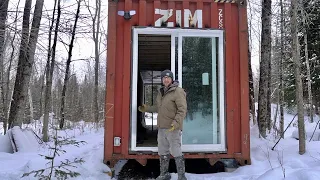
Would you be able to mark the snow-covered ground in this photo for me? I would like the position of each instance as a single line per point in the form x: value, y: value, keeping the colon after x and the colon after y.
x: 284, y: 161
x: 13, y: 166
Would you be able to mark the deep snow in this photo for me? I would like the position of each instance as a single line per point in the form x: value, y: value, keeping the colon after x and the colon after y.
x: 12, y: 166
x: 266, y: 164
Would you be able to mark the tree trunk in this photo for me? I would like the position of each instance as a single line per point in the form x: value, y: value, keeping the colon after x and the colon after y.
x: 30, y: 103
x: 263, y: 106
x: 25, y: 64
x: 66, y: 76
x: 3, y: 17
x: 281, y: 94
x: 41, y: 94
x: 275, y: 117
x: 6, y: 90
x: 296, y: 60
x: 49, y: 70
x: 308, y: 68
x: 2, y: 96
x: 96, y: 31
x: 6, y: 99
x: 18, y: 97
x: 251, y: 88
x: 251, y: 82
x: 268, y: 119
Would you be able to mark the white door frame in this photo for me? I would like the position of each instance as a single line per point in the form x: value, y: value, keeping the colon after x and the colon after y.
x: 178, y: 33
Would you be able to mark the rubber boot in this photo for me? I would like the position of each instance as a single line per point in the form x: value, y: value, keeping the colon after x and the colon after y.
x: 180, y: 164
x: 164, y: 167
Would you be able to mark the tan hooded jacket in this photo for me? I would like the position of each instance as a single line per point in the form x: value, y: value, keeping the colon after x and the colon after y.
x: 171, y: 106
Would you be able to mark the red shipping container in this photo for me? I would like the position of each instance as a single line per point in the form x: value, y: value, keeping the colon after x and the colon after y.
x: 205, y: 44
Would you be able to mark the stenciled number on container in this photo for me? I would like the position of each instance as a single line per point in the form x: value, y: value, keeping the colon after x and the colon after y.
x: 220, y: 19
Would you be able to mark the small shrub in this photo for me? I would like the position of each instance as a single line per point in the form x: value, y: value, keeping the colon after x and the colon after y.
x: 60, y: 171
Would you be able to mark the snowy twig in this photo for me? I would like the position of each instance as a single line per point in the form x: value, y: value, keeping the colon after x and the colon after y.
x: 315, y: 157
x: 283, y: 132
x: 280, y: 158
x: 314, y: 130
x: 267, y: 155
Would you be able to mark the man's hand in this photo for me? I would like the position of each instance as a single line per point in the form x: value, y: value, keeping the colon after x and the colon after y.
x: 143, y: 108
x: 172, y: 128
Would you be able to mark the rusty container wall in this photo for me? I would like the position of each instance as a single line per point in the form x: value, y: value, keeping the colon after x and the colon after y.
x: 224, y: 14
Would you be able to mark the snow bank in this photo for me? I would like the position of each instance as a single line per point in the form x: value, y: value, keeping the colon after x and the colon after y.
x: 12, y: 166
x: 24, y: 140
x: 5, y: 144
x: 1, y: 128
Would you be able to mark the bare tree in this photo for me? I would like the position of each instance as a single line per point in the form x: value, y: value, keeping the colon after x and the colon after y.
x: 30, y: 103
x: 66, y: 76
x: 6, y: 85
x: 3, y: 17
x: 19, y: 96
x: 26, y: 59
x: 42, y: 77
x: 50, y: 69
x: 305, y: 35
x: 281, y: 92
x: 268, y: 118
x: 96, y: 38
x: 251, y: 83
x: 264, y: 85
x: 251, y: 88
x: 296, y: 60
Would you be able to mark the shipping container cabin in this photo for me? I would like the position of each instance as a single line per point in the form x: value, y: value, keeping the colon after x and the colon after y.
x: 205, y: 44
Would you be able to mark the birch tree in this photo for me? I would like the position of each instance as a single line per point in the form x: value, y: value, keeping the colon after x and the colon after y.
x: 296, y: 61
x: 264, y: 89
x: 66, y: 76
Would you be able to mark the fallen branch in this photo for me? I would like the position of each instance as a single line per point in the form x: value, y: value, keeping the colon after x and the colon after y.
x: 314, y: 130
x: 284, y: 132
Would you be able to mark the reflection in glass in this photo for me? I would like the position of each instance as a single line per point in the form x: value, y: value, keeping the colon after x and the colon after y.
x: 199, y: 79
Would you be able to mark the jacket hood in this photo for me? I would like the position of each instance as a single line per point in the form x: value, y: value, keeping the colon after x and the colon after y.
x: 175, y: 83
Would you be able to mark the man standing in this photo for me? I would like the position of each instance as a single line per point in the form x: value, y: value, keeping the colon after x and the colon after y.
x: 171, y: 108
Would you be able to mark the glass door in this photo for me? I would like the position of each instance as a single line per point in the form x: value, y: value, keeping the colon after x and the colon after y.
x: 201, y: 74
x: 197, y: 60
